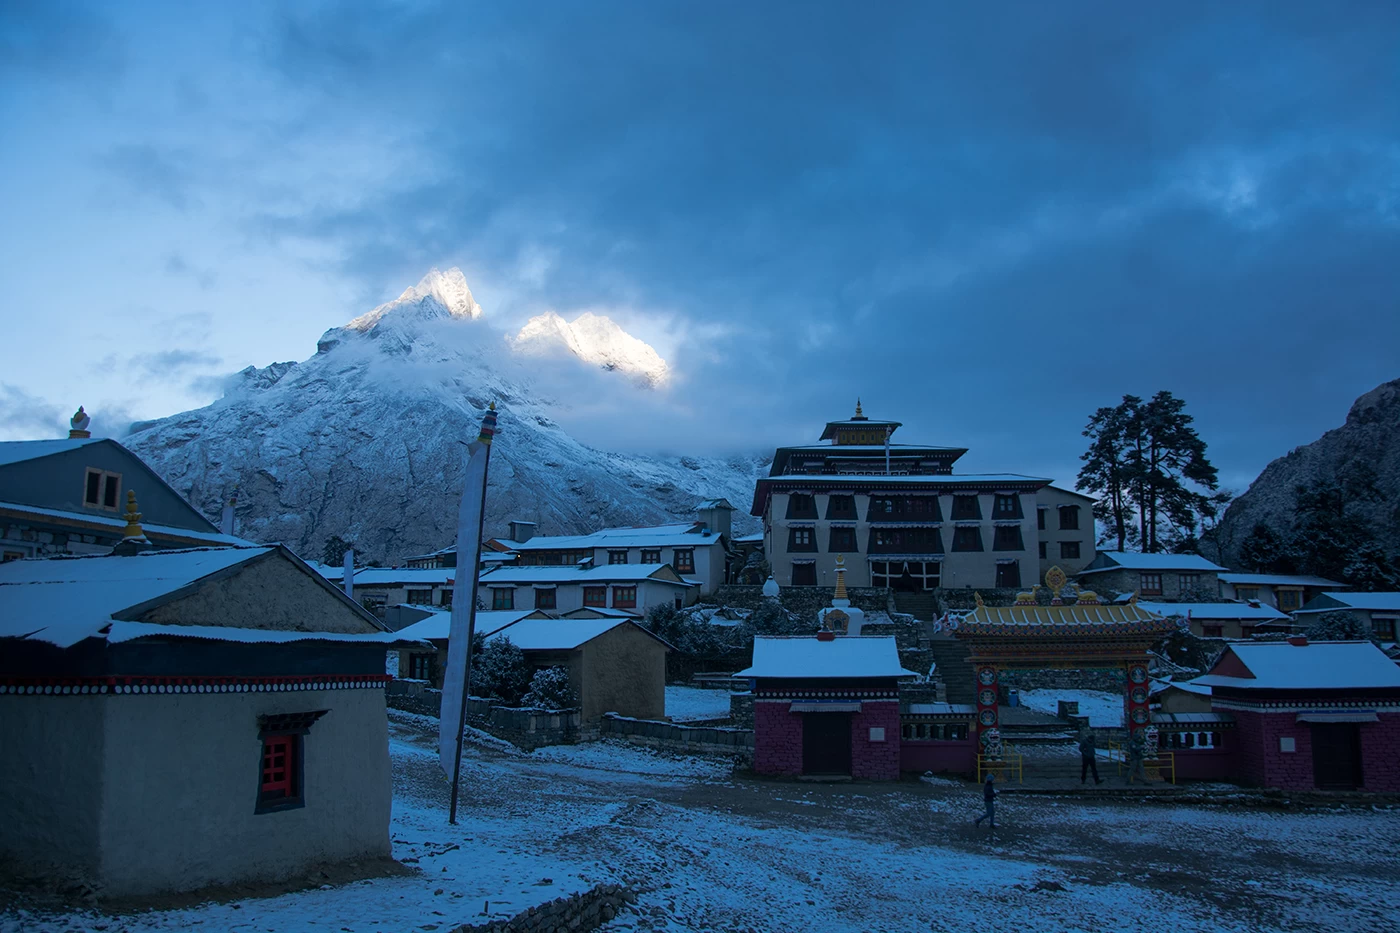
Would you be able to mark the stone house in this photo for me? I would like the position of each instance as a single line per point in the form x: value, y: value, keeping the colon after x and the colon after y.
x: 1219, y: 619
x: 426, y: 662
x: 1378, y: 612
x: 1170, y: 578
x: 68, y: 496
x: 827, y: 705
x: 182, y: 718
x: 1285, y: 592
x: 1311, y: 714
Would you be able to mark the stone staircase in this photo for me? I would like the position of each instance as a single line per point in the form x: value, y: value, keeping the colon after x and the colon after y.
x: 954, y: 670
x: 920, y: 605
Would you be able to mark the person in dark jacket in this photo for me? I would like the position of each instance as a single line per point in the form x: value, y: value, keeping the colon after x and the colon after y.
x: 1088, y: 756
x: 989, y: 797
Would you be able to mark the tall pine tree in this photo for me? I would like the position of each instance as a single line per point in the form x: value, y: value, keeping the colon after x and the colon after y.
x: 1106, y: 467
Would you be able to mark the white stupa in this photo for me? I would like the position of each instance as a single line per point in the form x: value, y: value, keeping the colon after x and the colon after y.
x: 841, y: 617
x: 770, y: 587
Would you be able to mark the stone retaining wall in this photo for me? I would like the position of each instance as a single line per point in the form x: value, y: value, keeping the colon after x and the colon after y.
x: 574, y: 914
x: 678, y: 737
x: 527, y: 728
x: 803, y: 600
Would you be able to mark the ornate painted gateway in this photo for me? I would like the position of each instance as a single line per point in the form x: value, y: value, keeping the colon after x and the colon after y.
x: 1081, y: 634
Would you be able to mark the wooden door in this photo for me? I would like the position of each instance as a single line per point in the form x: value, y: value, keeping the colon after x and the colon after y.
x: 826, y: 743
x: 1336, y: 748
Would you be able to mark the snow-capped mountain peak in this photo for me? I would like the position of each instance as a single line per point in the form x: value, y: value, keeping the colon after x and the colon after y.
x: 595, y: 339
x: 447, y: 292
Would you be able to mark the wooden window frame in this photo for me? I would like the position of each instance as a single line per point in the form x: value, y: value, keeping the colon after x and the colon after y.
x: 620, y: 599
x: 1008, y: 584
x: 805, y: 569
x: 595, y: 597
x: 427, y: 660
x: 1388, y: 632
x: 1212, y: 630
x: 1066, y: 547
x: 843, y: 540
x: 684, y: 560
x: 418, y: 597
x: 802, y: 547
x: 502, y: 598
x: 1071, y: 510
x: 651, y: 555
x: 1012, y: 514
x: 1002, y: 538
x: 960, y: 532
x: 1144, y: 589
x: 546, y: 598
x: 974, y: 516
x: 281, y: 784
x: 1040, y: 518
x: 617, y: 558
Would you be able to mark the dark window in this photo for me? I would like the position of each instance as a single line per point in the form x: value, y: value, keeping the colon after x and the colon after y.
x: 1288, y: 600
x: 966, y: 509
x: 1150, y: 584
x: 1040, y: 519
x: 502, y: 598
x: 804, y: 574
x: 596, y: 596
x: 281, y: 778
x: 913, y: 508
x: 1384, y: 627
x: 92, y: 494
x: 1069, y: 518
x: 102, y: 489
x: 617, y: 557
x: 420, y: 597
x: 547, y: 599
x: 801, y: 505
x: 1007, y: 538
x: 905, y: 541
x: 685, y: 560
x: 1008, y: 575
x: 1247, y: 592
x: 1069, y: 550
x: 1188, y: 579
x: 447, y: 596
x: 967, y: 539
x: 841, y: 508
x: 651, y: 557
x: 1042, y: 550
x: 801, y: 539
x: 624, y: 597
x: 11, y: 555
x: 1006, y: 507
x: 842, y: 539
x: 111, y: 488
x: 420, y: 666
x: 1212, y: 631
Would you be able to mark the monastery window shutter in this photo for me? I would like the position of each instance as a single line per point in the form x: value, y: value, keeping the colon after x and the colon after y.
x: 1006, y: 507
x: 967, y: 539
x: 1069, y: 550
x: 966, y: 509
x: 595, y: 596
x: 802, y: 539
x: 651, y: 557
x: 1069, y: 518
x: 624, y: 597
x: 801, y: 505
x: 1009, y: 574
x: 685, y: 560
x: 1007, y: 538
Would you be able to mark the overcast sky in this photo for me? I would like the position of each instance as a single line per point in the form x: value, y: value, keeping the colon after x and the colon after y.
x: 986, y: 220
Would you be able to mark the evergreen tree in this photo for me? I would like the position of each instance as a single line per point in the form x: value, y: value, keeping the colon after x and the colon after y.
x: 333, y: 554
x: 1338, y: 626
x: 1264, y: 551
x: 1145, y: 460
x: 499, y: 671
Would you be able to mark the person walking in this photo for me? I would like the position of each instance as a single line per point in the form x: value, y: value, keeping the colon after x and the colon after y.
x: 989, y: 797
x: 1137, y: 755
x: 1088, y: 756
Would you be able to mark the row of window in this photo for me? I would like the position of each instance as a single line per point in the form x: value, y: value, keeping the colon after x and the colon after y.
x: 594, y: 597
x: 102, y: 489
x: 682, y: 560
x: 907, y: 540
x: 1287, y: 599
x: 908, y: 575
x: 803, y: 506
x: 1069, y: 550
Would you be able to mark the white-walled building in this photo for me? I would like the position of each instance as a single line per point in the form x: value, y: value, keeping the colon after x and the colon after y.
x: 1285, y: 592
x: 629, y: 588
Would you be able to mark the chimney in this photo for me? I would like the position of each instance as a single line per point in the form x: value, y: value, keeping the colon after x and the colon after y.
x: 1298, y: 641
x: 716, y: 515
x: 226, y: 520
x: 348, y: 580
x: 520, y: 532
x: 78, y: 424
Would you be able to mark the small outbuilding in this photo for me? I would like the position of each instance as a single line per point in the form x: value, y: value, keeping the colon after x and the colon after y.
x: 178, y: 719
x: 827, y: 706
x: 1311, y: 714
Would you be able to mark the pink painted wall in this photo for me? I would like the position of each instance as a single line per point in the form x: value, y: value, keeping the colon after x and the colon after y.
x: 875, y: 761
x: 1260, y: 761
x: 777, y: 738
x: 938, y: 756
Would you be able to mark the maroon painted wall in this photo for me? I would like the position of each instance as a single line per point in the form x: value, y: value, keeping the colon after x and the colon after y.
x: 875, y: 761
x: 777, y: 739
x: 938, y: 756
x: 1260, y: 762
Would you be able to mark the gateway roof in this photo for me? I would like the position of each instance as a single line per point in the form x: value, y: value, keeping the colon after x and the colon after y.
x: 1325, y: 665
x: 804, y: 656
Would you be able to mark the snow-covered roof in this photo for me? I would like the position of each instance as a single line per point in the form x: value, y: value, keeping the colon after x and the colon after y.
x: 806, y: 656
x: 557, y: 634
x: 1371, y: 602
x: 1188, y: 686
x: 20, y: 451
x: 755, y: 538
x: 439, y: 625
x: 1276, y: 579
x: 1334, y: 665
x: 1133, y: 560
x: 402, y: 576
x: 607, y: 573
x: 130, y: 631
x: 1223, y: 610
x: 683, y: 534
x: 941, y: 479
x: 63, y: 600
x: 117, y: 524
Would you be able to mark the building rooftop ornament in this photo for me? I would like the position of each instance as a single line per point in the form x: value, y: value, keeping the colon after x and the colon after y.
x: 133, y: 529
x: 859, y: 415
x: 770, y: 587
x: 78, y: 424
x: 1055, y: 579
x: 840, y: 617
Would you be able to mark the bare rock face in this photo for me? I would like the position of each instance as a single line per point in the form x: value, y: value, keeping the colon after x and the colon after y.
x: 1370, y: 437
x: 365, y: 441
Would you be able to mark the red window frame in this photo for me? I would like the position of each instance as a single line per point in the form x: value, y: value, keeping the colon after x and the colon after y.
x: 546, y: 599
x: 595, y: 597
x: 624, y: 597
x: 651, y: 557
x: 281, y: 761
x: 685, y: 560
x: 502, y: 598
x: 1150, y: 584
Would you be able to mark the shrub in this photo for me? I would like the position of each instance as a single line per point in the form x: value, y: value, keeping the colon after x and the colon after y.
x: 499, y: 672
x: 550, y: 689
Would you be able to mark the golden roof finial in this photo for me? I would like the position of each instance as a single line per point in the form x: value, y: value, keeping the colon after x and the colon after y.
x: 840, y: 578
x: 859, y: 413
x: 492, y: 406
x: 977, y: 595
x: 78, y: 424
x: 133, y: 527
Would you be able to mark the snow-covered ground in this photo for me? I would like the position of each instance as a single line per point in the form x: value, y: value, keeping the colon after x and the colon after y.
x: 1102, y: 708
x: 712, y: 852
x: 686, y: 703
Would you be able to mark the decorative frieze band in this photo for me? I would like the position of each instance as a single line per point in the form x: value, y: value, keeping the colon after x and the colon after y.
x: 129, y: 685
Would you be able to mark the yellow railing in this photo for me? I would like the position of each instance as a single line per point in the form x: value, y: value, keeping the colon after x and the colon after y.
x: 1152, y: 767
x: 1011, y: 762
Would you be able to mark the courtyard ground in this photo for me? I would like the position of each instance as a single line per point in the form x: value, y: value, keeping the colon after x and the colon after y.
x: 709, y: 851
